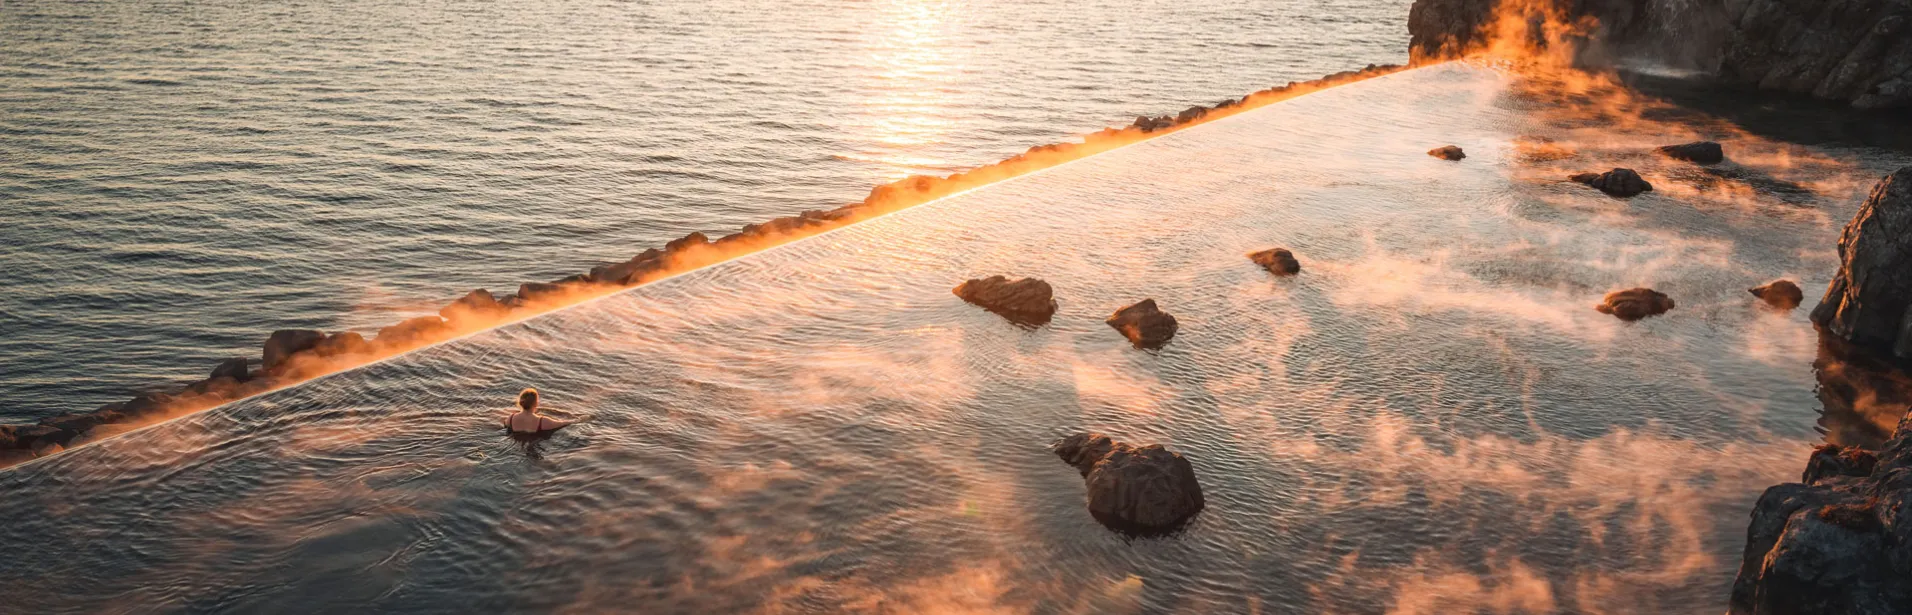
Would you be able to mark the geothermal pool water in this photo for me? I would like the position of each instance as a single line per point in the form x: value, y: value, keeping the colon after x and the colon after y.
x: 1429, y: 418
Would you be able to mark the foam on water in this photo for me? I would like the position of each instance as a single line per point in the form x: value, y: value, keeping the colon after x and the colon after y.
x: 1430, y: 418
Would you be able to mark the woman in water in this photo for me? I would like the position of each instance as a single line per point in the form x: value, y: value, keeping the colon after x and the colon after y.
x: 527, y: 420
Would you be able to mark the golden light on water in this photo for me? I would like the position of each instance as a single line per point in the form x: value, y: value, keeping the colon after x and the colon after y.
x: 906, y: 108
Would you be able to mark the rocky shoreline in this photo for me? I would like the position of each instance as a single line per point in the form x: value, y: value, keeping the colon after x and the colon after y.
x: 291, y: 356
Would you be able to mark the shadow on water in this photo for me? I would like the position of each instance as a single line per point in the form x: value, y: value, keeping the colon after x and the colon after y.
x: 1792, y: 118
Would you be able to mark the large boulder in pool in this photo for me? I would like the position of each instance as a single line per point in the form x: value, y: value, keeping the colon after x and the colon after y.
x: 1870, y: 294
x: 1134, y: 489
x: 284, y: 343
x: 1781, y: 294
x: 1447, y: 152
x: 1635, y: 303
x: 1145, y: 325
x: 1839, y: 542
x: 1617, y: 182
x: 1025, y: 300
x: 1278, y: 261
x: 1702, y: 152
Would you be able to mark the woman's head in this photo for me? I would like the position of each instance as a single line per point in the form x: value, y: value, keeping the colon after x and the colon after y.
x: 528, y: 399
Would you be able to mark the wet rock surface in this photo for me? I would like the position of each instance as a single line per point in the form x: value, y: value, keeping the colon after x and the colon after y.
x: 284, y: 343
x: 1780, y: 294
x: 1618, y: 182
x: 1635, y: 303
x: 1857, y: 51
x: 1867, y: 301
x: 1447, y: 152
x: 1854, y: 51
x: 1024, y: 300
x: 1278, y: 261
x: 1146, y: 325
x: 1702, y: 152
x: 1837, y: 542
x: 1141, y: 490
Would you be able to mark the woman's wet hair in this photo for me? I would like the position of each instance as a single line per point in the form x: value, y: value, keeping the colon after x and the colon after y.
x: 528, y: 399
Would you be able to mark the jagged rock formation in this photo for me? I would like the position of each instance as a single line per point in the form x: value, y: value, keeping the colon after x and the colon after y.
x: 1868, y: 300
x: 1837, y: 542
x: 1618, y: 182
x: 1856, y: 51
x: 1027, y: 300
x: 1145, y: 325
x: 1140, y: 490
x: 1781, y: 294
x: 1702, y: 152
x: 1447, y: 152
x: 1635, y: 303
x: 1278, y: 261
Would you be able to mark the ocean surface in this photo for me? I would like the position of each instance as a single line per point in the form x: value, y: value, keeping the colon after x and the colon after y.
x: 1430, y: 418
x: 180, y: 178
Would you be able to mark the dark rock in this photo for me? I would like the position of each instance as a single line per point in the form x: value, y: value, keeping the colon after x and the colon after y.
x: 1083, y: 450
x: 1618, y: 182
x: 1869, y: 296
x: 1145, y: 325
x: 1635, y: 303
x: 1026, y: 300
x: 1191, y: 114
x: 1830, y: 460
x: 1782, y: 294
x: 1702, y: 152
x: 1141, y: 490
x: 77, y: 423
x: 282, y: 344
x: 25, y: 436
x: 6, y: 437
x: 412, y: 332
x: 235, y: 368
x: 1837, y: 545
x: 686, y: 242
x: 222, y: 387
x: 476, y: 306
x: 344, y: 343
x: 146, y: 405
x: 1856, y: 51
x: 1447, y: 152
x: 539, y: 291
x: 1278, y: 261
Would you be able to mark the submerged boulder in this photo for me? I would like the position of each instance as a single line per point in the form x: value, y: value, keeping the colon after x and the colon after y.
x: 1782, y: 294
x: 1635, y: 303
x: 1145, y: 325
x: 1278, y: 261
x: 1143, y: 490
x: 1617, y: 182
x: 1447, y: 152
x: 1702, y: 152
x: 1868, y: 299
x: 284, y: 343
x: 1025, y: 300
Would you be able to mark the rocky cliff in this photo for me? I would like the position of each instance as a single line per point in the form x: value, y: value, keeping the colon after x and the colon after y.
x: 1856, y: 51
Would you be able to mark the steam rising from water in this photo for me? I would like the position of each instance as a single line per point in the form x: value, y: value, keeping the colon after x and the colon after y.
x: 1430, y: 418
